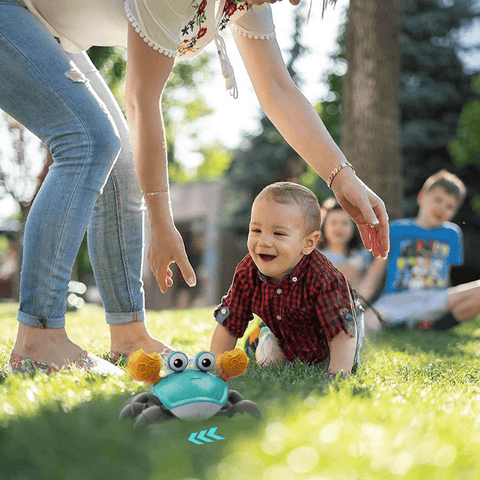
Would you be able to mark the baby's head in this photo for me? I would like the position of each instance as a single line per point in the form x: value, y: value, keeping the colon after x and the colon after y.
x: 439, y: 199
x: 284, y: 226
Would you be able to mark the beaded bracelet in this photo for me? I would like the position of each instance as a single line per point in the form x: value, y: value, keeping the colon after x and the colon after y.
x: 335, y: 171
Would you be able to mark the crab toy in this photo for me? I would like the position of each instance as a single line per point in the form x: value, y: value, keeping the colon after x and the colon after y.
x: 187, y: 393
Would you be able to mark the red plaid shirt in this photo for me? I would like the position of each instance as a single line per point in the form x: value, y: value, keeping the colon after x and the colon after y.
x: 305, y: 312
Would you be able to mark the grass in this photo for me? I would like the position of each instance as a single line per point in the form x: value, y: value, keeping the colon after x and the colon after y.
x: 412, y: 411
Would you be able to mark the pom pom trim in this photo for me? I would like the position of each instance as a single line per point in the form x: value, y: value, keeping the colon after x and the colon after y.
x: 150, y: 43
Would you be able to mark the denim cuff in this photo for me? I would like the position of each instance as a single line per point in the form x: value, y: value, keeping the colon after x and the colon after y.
x: 40, y: 322
x: 124, y: 318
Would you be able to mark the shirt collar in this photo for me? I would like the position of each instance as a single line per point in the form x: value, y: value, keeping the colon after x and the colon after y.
x: 293, y: 275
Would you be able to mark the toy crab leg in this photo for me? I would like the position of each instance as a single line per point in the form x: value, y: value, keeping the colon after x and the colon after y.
x: 152, y: 414
x: 232, y: 364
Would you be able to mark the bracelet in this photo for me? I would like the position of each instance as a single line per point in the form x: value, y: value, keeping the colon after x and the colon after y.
x: 335, y: 171
x: 151, y: 194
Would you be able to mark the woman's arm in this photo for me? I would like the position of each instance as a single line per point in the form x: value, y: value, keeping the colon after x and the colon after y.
x: 300, y: 125
x: 147, y: 74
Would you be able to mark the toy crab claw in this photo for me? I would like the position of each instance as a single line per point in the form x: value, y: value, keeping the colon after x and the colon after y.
x: 144, y: 367
x: 232, y: 364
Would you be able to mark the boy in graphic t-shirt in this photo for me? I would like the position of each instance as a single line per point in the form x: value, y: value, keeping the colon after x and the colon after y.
x: 422, y: 251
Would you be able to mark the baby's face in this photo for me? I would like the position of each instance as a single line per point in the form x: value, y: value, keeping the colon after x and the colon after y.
x: 276, y: 237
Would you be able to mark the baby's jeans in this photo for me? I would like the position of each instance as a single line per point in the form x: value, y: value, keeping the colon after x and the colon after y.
x: 91, y: 185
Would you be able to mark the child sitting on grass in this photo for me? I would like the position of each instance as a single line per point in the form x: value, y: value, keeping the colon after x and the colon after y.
x: 423, y: 249
x: 341, y: 243
x: 305, y: 302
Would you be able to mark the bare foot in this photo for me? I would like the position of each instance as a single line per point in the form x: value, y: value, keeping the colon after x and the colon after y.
x: 130, y: 337
x: 50, y: 346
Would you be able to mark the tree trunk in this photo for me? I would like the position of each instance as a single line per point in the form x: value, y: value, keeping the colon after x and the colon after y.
x: 371, y: 112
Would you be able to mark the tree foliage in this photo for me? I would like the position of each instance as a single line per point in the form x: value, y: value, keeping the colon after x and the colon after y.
x: 465, y: 148
x: 434, y: 86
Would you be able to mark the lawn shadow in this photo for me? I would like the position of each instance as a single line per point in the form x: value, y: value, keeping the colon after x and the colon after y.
x: 90, y: 441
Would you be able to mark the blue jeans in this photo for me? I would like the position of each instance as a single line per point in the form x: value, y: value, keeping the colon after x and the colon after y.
x: 91, y: 185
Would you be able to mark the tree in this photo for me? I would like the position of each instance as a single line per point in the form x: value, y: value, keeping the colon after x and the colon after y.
x: 370, y: 108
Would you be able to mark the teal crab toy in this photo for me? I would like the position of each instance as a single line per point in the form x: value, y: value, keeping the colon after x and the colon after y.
x: 186, y: 393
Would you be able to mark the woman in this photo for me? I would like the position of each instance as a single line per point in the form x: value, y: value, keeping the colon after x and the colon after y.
x: 60, y: 97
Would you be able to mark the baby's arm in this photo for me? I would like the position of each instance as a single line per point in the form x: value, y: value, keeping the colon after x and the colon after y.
x: 342, y: 353
x: 222, y: 341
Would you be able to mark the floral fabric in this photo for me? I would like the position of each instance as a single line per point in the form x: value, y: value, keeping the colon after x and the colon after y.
x: 203, y: 24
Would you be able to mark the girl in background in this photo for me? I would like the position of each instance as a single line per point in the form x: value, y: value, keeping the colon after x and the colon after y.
x: 341, y: 243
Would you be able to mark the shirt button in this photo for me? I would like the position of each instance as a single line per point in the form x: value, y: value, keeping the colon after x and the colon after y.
x: 223, y: 311
x: 294, y: 279
x: 279, y: 291
x: 279, y: 317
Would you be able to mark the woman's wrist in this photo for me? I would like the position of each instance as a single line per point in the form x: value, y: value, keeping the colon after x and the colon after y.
x: 338, y: 172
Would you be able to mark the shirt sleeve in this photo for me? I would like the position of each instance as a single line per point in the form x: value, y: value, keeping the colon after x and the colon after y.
x: 457, y: 246
x: 256, y: 23
x: 334, y: 306
x: 235, y: 310
x: 158, y: 22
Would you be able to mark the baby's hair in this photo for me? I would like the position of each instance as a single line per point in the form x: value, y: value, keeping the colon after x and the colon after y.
x: 288, y: 193
x: 331, y: 205
x: 449, y: 182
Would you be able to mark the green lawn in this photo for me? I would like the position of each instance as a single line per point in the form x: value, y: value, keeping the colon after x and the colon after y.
x: 412, y: 411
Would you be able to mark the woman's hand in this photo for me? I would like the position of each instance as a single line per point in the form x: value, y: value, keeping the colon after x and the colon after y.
x: 166, y: 248
x: 366, y: 209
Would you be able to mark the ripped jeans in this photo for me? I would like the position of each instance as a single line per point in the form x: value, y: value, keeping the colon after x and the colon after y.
x: 91, y: 185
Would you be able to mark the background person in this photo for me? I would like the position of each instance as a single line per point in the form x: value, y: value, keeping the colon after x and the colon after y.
x: 417, y: 288
x: 341, y: 244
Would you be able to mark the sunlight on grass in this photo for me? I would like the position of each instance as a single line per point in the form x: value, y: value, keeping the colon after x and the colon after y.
x: 412, y: 411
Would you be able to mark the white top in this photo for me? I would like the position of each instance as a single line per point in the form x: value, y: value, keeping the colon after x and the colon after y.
x: 173, y: 27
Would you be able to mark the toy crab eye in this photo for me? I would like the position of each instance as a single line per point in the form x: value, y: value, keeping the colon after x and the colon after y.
x: 205, y: 361
x: 177, y: 361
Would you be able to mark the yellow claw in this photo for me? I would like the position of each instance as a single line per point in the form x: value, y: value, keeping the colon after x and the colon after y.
x: 232, y: 364
x: 144, y: 367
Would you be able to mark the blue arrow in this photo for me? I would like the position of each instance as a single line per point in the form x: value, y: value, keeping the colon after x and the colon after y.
x: 211, y: 434
x: 192, y: 439
x: 201, y: 436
